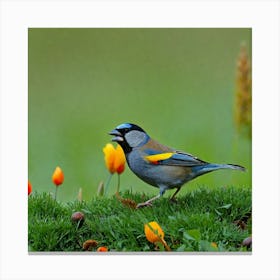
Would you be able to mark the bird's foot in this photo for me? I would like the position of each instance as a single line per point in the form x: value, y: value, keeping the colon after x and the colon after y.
x: 144, y: 204
x: 173, y: 200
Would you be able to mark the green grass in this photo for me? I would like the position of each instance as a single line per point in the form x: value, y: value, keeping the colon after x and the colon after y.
x: 197, y: 219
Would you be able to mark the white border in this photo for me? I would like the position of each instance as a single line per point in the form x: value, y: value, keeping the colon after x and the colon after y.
x: 17, y: 16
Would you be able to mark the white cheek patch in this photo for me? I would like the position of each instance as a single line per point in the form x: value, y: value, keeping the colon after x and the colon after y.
x: 134, y: 138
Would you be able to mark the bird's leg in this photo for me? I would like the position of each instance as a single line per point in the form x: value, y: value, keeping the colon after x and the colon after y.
x: 172, y: 198
x: 148, y: 202
x: 162, y: 190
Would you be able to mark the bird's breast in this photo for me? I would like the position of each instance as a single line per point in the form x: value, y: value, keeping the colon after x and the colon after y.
x: 156, y: 174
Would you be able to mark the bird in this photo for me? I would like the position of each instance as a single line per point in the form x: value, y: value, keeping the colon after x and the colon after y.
x: 159, y: 165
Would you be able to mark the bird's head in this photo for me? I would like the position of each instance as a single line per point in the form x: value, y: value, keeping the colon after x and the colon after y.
x: 129, y: 136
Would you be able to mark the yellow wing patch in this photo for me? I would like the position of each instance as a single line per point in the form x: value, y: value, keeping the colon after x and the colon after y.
x: 154, y: 159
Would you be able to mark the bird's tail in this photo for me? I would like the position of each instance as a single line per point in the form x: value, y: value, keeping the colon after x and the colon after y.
x: 200, y: 170
x: 215, y: 166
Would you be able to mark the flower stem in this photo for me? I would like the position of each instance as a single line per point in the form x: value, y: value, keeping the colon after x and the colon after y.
x: 55, y: 194
x: 107, y: 183
x: 167, y: 248
x: 119, y: 180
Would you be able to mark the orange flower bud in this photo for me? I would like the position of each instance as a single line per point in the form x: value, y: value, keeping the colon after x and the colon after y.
x: 102, y: 249
x: 153, y: 232
x: 58, y: 176
x: 114, y: 158
x: 29, y: 188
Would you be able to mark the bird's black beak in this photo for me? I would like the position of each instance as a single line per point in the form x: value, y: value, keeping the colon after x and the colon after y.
x: 118, y: 136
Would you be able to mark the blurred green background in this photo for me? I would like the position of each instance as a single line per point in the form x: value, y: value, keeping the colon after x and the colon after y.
x: 177, y: 84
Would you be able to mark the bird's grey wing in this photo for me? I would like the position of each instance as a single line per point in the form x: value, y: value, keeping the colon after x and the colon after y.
x: 175, y: 158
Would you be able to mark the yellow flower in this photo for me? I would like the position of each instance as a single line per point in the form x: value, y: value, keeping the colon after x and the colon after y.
x: 153, y: 232
x: 58, y: 176
x: 114, y: 158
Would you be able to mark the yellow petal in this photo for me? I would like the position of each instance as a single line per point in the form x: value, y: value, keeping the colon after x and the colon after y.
x: 153, y: 232
x: 109, y: 157
x: 119, y: 163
